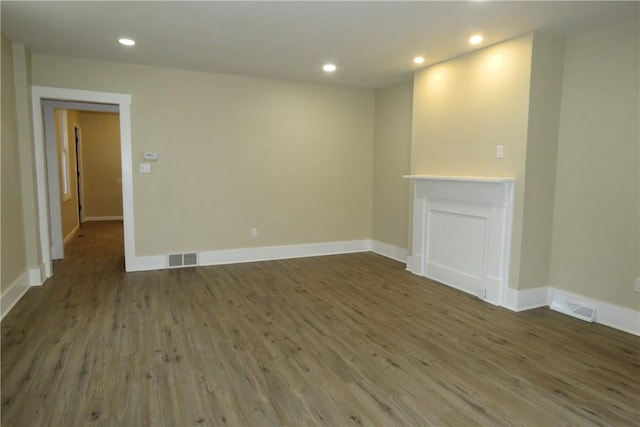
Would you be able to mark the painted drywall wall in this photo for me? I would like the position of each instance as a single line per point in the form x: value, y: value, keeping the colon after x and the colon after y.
x: 102, y: 170
x: 595, y: 246
x: 22, y: 77
x: 13, y: 255
x: 540, y: 167
x: 392, y: 160
x: 464, y: 108
x: 291, y: 159
x: 68, y: 203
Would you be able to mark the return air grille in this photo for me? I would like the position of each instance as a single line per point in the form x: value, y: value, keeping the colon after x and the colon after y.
x: 188, y: 259
x: 580, y: 311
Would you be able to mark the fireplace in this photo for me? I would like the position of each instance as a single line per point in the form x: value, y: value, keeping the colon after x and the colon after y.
x: 462, y: 233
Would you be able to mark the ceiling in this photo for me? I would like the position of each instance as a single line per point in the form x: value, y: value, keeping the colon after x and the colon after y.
x: 372, y: 43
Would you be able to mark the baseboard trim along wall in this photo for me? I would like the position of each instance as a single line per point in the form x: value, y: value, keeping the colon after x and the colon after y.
x: 71, y: 234
x: 37, y: 276
x: 390, y: 251
x: 13, y: 293
x: 102, y: 218
x: 264, y: 253
x: 526, y: 299
x: 614, y: 316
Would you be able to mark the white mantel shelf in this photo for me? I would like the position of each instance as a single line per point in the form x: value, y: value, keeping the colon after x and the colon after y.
x: 460, y: 178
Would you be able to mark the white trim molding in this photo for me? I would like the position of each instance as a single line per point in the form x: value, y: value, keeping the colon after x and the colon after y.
x: 462, y: 232
x: 123, y: 103
x: 268, y: 253
x: 37, y: 276
x: 526, y: 299
x: 14, y: 292
x: 493, y: 179
x: 390, y: 251
x: 102, y: 218
x: 264, y: 253
x: 71, y: 234
x: 614, y: 316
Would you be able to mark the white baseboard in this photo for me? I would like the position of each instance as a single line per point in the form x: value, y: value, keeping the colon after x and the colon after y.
x: 71, y: 234
x: 265, y: 253
x: 31, y: 277
x: 13, y: 294
x: 37, y: 276
x: 614, y: 316
x: 268, y: 253
x: 146, y: 263
x: 390, y: 251
x: 102, y: 218
x: 413, y: 265
x: 526, y: 299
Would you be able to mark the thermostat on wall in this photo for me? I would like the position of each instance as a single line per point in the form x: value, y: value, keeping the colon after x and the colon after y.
x: 149, y: 156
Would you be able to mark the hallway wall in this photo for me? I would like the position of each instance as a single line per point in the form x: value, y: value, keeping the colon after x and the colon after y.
x: 102, y: 174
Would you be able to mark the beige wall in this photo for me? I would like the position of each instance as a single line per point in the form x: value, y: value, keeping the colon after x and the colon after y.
x: 391, y: 160
x: 13, y: 255
x: 292, y: 159
x: 69, y: 204
x: 22, y: 75
x: 463, y: 108
x: 540, y: 168
x: 102, y: 174
x: 596, y: 225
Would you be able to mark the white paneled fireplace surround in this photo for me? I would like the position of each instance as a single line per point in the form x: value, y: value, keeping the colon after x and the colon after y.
x: 462, y: 233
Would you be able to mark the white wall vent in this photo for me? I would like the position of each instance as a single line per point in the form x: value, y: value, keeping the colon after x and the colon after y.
x: 580, y: 311
x: 188, y: 259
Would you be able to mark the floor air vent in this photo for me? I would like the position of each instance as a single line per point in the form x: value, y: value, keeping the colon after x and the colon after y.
x: 574, y: 309
x: 188, y: 259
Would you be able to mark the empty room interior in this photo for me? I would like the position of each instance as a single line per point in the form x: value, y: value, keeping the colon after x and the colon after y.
x: 320, y: 213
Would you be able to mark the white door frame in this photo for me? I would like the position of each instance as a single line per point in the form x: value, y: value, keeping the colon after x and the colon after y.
x: 51, y: 156
x: 41, y: 93
x: 51, y: 160
x: 79, y: 171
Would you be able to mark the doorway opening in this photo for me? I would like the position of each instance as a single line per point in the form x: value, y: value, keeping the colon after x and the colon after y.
x: 85, y: 138
x: 79, y: 171
x: 49, y: 214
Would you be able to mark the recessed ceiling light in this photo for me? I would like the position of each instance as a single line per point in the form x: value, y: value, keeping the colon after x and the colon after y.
x: 126, y: 42
x: 329, y: 68
x: 476, y: 39
x: 418, y: 60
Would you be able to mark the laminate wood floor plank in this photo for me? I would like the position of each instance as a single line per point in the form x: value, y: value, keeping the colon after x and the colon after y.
x: 337, y: 340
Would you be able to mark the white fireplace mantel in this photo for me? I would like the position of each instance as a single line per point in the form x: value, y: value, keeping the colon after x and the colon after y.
x: 462, y: 232
x: 459, y: 178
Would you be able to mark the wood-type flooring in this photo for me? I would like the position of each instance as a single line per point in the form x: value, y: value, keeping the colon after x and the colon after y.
x: 337, y: 340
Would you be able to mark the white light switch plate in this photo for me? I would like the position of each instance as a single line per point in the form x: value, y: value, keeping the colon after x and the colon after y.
x: 145, y: 168
x: 499, y: 151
